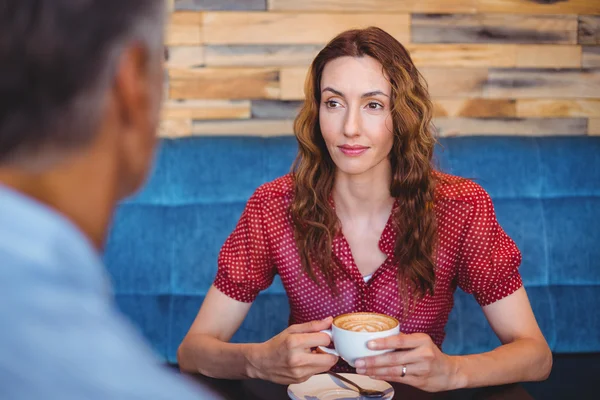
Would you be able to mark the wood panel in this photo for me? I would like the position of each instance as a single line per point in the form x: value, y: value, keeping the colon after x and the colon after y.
x: 224, y: 83
x: 548, y: 56
x: 174, y: 128
x: 273, y: 109
x: 558, y: 108
x: 455, y: 82
x: 186, y: 57
x: 293, y: 28
x: 469, y: 82
x: 256, y: 5
x: 255, y: 127
x: 594, y: 126
x: 206, y: 109
x: 478, y: 108
x: 589, y: 30
x: 539, y: 6
x: 423, y: 55
x: 443, y: 6
x: 260, y: 55
x: 448, y: 82
x: 496, y: 55
x: 493, y: 28
x: 424, y: 6
x: 532, y: 127
x: 591, y: 57
x: 444, y: 82
x: 292, y: 83
x: 505, y: 67
x: 542, y: 83
x: 184, y: 29
x: 473, y: 55
x: 463, y: 55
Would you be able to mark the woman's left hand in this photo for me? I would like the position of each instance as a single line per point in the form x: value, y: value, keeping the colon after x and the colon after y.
x: 417, y: 361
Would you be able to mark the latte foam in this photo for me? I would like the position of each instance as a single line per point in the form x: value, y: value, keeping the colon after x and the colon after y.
x: 365, y: 322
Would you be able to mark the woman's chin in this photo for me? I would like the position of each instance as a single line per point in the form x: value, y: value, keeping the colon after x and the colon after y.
x: 352, y: 170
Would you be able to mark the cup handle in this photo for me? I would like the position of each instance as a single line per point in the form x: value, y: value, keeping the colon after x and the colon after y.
x: 328, y: 350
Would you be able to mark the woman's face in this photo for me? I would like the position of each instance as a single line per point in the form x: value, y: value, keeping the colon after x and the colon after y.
x: 354, y: 114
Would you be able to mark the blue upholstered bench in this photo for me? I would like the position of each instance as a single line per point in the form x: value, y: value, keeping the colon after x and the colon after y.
x: 163, y: 246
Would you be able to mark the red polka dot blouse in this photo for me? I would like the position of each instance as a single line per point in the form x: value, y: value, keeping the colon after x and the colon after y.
x: 474, y: 253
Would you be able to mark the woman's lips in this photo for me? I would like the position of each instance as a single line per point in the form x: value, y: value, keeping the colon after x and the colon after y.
x: 353, y: 151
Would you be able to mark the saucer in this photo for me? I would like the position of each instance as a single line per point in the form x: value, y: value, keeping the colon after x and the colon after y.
x: 327, y: 387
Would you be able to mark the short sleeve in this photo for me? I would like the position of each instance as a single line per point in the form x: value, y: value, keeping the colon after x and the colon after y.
x: 245, y: 264
x: 489, y: 258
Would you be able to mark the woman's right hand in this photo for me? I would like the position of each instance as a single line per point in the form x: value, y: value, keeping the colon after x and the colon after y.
x: 287, y: 357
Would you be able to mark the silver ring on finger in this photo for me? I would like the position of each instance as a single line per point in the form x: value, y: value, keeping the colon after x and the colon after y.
x: 403, y: 371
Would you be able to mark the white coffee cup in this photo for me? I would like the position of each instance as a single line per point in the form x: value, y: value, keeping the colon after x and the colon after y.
x: 351, y: 332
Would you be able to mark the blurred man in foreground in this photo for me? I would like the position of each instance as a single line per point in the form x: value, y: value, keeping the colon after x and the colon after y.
x: 80, y: 92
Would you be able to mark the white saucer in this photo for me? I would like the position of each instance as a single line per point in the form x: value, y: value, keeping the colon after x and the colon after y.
x: 326, y: 387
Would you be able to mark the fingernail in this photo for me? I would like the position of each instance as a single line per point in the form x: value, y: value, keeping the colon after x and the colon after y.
x: 372, y: 344
x: 360, y: 370
x: 359, y: 363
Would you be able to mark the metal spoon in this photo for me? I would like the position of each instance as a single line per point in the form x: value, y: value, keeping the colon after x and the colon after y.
x: 368, y: 393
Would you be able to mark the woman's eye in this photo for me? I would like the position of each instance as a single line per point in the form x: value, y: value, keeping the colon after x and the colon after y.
x: 332, y: 104
x: 374, y: 106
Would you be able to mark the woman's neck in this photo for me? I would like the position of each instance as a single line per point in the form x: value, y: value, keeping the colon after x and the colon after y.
x: 364, y: 195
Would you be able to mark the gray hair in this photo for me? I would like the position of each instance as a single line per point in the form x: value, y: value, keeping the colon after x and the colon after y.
x: 57, y: 60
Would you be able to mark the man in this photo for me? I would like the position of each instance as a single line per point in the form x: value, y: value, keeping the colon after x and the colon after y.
x: 80, y: 92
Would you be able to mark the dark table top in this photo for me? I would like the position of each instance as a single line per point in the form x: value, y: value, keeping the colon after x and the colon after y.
x: 263, y: 390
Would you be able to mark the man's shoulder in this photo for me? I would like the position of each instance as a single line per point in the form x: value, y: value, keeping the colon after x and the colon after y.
x: 64, y: 336
x: 27, y: 263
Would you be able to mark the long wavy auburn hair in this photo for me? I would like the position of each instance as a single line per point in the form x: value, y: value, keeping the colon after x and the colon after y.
x: 413, y: 177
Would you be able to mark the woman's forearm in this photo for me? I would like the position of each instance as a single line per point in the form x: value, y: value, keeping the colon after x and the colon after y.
x: 214, y: 358
x: 520, y: 361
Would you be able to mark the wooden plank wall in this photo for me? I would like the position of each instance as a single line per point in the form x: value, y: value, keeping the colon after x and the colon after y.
x: 497, y: 67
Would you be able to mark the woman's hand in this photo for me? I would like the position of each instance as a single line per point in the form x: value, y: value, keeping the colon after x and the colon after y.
x: 287, y: 357
x: 417, y: 361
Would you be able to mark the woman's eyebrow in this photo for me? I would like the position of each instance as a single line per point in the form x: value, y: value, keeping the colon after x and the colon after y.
x: 374, y: 93
x: 368, y: 94
x: 336, y: 92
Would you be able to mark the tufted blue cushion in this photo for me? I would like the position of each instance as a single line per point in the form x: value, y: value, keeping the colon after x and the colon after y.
x: 163, y: 246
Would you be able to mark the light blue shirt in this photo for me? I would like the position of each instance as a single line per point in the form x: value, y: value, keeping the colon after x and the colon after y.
x: 61, y: 336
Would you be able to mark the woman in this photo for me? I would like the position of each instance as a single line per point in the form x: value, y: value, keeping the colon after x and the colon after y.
x: 364, y: 223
